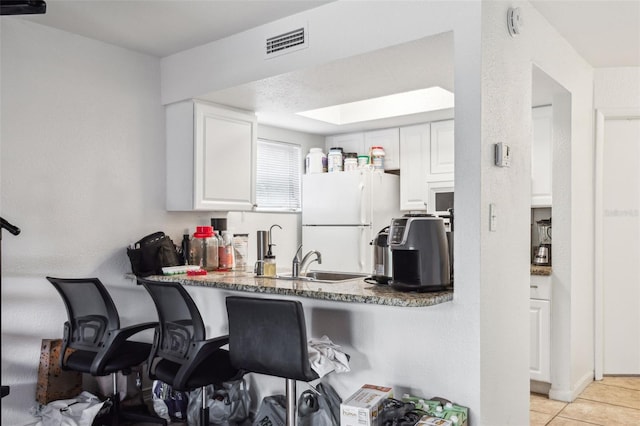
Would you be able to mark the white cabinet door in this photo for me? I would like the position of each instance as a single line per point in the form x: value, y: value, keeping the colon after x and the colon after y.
x: 389, y: 140
x: 540, y: 335
x: 350, y: 142
x: 442, y: 150
x: 414, y: 149
x: 541, y: 156
x: 211, y: 155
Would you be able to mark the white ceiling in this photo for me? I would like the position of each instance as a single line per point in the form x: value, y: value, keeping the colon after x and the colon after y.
x: 605, y: 32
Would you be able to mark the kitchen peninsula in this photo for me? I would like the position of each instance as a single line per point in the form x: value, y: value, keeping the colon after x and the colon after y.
x: 354, y: 290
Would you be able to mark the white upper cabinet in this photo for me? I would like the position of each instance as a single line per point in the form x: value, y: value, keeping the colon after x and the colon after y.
x: 211, y: 157
x: 442, y: 151
x: 414, y: 150
x: 349, y: 142
x: 541, y: 156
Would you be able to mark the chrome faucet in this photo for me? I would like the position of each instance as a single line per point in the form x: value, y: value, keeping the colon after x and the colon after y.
x: 302, y: 265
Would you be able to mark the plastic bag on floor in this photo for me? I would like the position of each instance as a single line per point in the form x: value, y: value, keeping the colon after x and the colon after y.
x: 319, y: 408
x: 228, y: 405
x: 167, y: 403
x: 272, y: 411
x: 78, y: 411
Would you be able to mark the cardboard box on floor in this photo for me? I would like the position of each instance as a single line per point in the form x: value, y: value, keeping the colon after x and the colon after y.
x: 363, y: 407
x: 53, y: 383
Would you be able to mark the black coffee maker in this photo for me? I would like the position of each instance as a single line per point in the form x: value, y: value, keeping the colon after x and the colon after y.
x: 420, y: 253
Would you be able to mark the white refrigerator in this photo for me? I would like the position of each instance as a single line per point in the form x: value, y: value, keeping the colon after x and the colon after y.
x: 342, y: 212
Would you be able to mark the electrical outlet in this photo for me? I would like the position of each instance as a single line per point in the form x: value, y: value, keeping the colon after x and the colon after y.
x: 502, y: 155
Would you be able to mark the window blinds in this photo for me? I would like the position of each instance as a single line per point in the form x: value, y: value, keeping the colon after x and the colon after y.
x: 278, y: 176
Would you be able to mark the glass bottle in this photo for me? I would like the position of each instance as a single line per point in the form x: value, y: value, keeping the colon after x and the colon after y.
x: 227, y: 258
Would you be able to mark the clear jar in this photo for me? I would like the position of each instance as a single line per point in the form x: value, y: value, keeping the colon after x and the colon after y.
x: 335, y: 160
x: 351, y: 162
x: 315, y: 161
x: 204, y: 248
x: 377, y: 157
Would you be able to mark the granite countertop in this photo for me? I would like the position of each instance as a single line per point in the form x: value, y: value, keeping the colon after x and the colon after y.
x: 355, y: 290
x: 540, y: 270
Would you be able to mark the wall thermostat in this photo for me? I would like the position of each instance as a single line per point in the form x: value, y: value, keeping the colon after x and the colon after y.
x: 502, y: 155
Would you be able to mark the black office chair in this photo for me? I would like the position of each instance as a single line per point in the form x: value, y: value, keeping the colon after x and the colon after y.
x: 99, y: 346
x: 269, y: 336
x: 181, y: 354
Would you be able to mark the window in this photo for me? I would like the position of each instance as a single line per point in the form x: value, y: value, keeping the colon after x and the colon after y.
x: 278, y: 176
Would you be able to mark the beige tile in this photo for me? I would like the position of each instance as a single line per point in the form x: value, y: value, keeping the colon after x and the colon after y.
x: 622, y: 382
x: 542, y: 404
x: 600, y: 413
x: 537, y: 418
x: 600, y: 392
x: 560, y: 421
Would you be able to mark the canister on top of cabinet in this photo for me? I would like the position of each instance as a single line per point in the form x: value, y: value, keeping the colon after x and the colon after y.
x: 377, y: 157
x: 335, y: 160
x: 350, y: 161
x: 316, y: 161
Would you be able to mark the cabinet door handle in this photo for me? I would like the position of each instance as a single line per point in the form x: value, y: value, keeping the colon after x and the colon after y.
x: 533, y: 286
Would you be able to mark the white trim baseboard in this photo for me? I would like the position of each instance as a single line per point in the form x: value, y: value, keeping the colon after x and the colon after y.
x: 569, y: 395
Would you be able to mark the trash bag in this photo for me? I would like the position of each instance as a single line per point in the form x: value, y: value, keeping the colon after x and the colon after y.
x: 272, y: 411
x: 78, y: 411
x: 168, y: 403
x: 320, y: 407
x: 229, y: 405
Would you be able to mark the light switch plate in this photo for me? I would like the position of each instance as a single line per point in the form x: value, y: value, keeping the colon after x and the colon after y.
x: 502, y: 155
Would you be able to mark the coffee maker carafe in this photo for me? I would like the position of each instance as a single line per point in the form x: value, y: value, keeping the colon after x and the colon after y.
x: 542, y: 255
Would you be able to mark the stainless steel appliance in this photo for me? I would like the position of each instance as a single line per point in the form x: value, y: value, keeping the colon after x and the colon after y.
x: 542, y: 255
x: 382, y: 262
x: 420, y: 254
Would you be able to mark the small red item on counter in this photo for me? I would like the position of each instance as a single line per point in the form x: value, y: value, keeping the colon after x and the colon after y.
x: 196, y: 272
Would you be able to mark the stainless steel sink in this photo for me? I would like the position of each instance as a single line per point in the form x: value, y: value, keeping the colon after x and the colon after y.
x: 322, y: 276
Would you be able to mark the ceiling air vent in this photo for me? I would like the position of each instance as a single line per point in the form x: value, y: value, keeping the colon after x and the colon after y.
x: 286, y: 43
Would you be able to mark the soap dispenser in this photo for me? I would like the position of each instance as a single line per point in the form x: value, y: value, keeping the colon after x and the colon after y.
x: 270, y: 258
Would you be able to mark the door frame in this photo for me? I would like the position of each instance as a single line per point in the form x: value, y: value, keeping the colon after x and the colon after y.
x: 602, y: 115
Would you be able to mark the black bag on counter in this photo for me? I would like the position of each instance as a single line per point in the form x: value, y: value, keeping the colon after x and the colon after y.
x: 149, y: 255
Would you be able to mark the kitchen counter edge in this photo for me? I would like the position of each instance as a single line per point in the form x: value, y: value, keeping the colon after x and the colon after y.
x: 354, y: 291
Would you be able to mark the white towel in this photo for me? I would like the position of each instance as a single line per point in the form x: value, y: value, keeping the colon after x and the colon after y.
x: 325, y: 357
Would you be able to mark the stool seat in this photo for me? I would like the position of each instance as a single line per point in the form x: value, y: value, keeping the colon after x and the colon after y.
x: 268, y: 336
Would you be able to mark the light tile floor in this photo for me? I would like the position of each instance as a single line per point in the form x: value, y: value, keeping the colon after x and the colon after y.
x: 611, y: 401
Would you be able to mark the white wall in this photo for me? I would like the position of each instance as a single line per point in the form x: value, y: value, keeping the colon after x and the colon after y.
x: 99, y: 108
x: 493, y: 100
x: 82, y: 174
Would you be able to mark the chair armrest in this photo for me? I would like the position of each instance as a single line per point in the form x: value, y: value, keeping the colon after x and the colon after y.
x: 113, y: 342
x: 198, y: 353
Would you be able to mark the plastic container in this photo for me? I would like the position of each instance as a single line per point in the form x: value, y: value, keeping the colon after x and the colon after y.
x: 316, y: 161
x: 377, y: 157
x: 204, y: 248
x: 335, y: 160
x: 350, y: 161
x: 363, y: 161
x: 226, y: 260
x: 241, y: 251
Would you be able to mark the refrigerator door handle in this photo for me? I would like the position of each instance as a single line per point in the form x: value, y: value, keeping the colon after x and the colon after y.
x: 362, y: 245
x: 362, y: 204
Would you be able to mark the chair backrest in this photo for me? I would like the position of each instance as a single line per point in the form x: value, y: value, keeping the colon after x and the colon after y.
x: 268, y: 336
x: 90, y: 309
x: 179, y: 317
